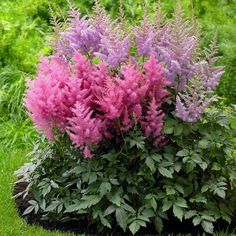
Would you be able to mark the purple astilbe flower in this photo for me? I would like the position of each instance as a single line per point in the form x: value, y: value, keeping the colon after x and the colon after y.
x: 206, y: 71
x: 191, y: 103
x: 151, y: 35
x: 144, y: 37
x: 81, y: 36
x: 180, y: 50
x: 84, y: 130
x: 114, y: 46
x: 209, y: 74
x: 101, y: 20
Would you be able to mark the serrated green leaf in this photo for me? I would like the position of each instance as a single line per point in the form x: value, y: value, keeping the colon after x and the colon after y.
x: 208, y: 218
x: 177, y: 167
x: 190, y: 214
x: 179, y: 188
x: 148, y: 213
x: 203, y: 165
x: 166, y: 206
x: 158, y: 224
x: 181, y: 203
x: 178, y: 212
x: 165, y: 172
x: 182, y: 153
x: 88, y: 201
x: 220, y: 193
x: 128, y: 208
x: 207, y: 226
x: 199, y: 199
x: 150, y: 163
x: 178, y: 130
x: 196, y: 158
x: 114, y: 198
x: 114, y: 181
x: 109, y: 210
x: 122, y: 218
x: 104, y: 188
x: 105, y: 222
x: 156, y: 157
x: 170, y: 190
x: 134, y: 227
x: 92, y: 177
x: 168, y: 130
x: 52, y: 206
x: 153, y: 203
x: 71, y: 208
x: 54, y: 184
x: 204, y: 188
x: 141, y: 223
x: 33, y: 202
x: 197, y: 220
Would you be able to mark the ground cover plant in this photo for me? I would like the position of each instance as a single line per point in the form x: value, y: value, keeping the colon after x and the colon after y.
x: 134, y: 137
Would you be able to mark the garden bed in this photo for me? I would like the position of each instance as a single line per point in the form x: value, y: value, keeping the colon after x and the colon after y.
x: 173, y: 226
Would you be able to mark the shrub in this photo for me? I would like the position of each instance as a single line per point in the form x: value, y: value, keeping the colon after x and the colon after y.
x: 133, y: 139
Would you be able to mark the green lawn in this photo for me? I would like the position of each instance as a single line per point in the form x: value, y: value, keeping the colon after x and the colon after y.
x: 10, y: 222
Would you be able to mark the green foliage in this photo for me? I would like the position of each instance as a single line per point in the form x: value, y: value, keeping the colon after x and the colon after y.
x: 134, y: 185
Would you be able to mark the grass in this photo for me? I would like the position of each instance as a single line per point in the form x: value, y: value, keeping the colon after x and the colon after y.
x: 10, y: 222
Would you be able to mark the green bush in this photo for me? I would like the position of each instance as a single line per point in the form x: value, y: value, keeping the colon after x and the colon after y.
x: 134, y: 185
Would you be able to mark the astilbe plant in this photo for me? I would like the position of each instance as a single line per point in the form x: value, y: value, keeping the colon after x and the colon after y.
x: 125, y: 116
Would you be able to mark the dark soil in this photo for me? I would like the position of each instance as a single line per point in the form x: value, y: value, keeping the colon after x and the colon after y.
x: 173, y: 225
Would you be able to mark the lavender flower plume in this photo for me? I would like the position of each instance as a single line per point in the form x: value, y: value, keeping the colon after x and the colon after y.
x: 206, y: 71
x: 114, y: 46
x: 191, y: 103
x: 81, y: 35
x: 144, y: 37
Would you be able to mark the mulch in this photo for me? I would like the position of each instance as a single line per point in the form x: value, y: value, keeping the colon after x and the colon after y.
x: 173, y: 226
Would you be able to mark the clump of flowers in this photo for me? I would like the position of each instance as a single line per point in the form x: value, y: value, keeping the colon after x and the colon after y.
x: 90, y: 102
x: 133, y: 107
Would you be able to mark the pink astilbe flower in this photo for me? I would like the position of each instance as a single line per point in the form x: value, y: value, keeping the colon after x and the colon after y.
x: 83, y: 129
x: 153, y: 122
x: 154, y: 76
x: 51, y: 95
x: 122, y: 98
x: 93, y: 79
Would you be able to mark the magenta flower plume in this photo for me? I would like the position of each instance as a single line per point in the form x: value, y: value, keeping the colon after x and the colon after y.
x: 84, y: 130
x: 51, y: 95
x: 153, y: 122
x: 157, y: 83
